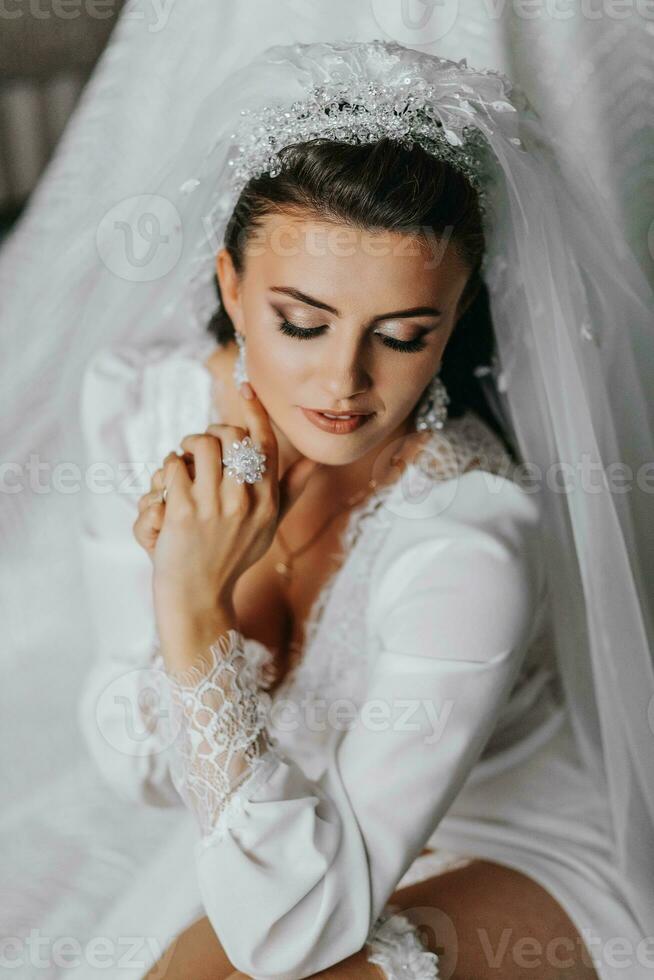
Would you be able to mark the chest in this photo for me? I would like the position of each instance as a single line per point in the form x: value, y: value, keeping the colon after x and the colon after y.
x: 275, y: 608
x: 318, y: 630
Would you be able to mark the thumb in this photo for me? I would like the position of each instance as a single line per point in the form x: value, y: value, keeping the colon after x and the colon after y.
x: 293, y: 482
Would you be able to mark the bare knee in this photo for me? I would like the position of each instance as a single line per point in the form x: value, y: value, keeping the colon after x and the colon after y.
x: 486, y: 920
x: 196, y: 952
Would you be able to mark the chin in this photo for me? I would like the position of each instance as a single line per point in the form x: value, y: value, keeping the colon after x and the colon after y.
x: 329, y: 448
x: 318, y: 448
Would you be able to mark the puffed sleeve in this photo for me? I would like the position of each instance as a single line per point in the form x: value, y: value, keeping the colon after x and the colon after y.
x: 294, y: 872
x: 129, y: 420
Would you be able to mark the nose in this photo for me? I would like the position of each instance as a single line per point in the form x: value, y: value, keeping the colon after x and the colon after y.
x: 343, y: 374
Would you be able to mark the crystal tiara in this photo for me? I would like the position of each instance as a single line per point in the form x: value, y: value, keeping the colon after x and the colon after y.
x: 344, y: 114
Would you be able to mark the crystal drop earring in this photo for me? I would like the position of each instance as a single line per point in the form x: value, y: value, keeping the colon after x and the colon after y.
x: 431, y: 412
x: 240, y: 369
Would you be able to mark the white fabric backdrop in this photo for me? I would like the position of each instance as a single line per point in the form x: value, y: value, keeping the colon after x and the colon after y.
x: 590, y: 76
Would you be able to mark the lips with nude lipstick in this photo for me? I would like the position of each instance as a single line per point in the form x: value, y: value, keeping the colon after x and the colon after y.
x: 338, y: 424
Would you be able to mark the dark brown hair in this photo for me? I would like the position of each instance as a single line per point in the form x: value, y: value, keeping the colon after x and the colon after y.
x: 382, y: 185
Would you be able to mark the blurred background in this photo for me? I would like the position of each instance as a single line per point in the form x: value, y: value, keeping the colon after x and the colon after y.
x: 587, y: 65
x: 87, y: 112
x: 45, y: 61
x: 87, y: 115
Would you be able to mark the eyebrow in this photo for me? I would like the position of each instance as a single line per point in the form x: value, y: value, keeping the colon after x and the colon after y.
x: 396, y: 314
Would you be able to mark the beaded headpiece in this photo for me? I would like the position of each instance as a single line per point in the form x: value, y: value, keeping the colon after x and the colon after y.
x: 342, y: 113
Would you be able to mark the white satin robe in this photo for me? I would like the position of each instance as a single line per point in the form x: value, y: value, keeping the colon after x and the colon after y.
x: 433, y: 634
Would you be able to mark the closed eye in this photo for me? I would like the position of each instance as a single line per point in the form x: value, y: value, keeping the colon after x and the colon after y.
x: 302, y: 333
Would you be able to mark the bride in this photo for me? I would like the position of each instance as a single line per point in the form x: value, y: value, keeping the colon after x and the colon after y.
x: 341, y: 625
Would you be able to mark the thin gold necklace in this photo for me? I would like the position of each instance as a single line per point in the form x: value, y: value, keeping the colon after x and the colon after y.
x: 285, y: 567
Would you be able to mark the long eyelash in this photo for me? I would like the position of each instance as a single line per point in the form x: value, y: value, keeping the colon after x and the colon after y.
x: 302, y: 333
x: 405, y: 345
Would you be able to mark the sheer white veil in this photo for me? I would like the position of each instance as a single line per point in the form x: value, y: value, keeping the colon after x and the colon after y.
x: 572, y: 314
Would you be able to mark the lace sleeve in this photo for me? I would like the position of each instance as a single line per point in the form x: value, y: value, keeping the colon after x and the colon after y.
x: 218, y: 711
x: 313, y: 849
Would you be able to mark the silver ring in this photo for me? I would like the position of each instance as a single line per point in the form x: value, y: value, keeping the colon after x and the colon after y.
x: 244, y: 461
x: 164, y: 494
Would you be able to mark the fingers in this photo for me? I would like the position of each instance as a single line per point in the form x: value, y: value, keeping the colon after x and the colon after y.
x: 201, y: 481
x: 151, y: 508
x: 153, y: 496
x: 206, y: 452
x: 261, y: 430
x: 148, y: 524
x: 146, y: 501
x: 232, y: 496
x: 227, y: 433
x: 203, y: 454
x: 178, y: 485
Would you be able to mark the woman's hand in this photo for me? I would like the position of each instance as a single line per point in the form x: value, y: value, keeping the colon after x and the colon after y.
x: 211, y: 528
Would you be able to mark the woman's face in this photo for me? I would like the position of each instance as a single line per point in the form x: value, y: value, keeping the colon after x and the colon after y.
x: 374, y: 312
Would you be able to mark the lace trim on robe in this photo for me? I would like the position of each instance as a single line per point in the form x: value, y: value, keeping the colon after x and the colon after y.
x: 222, y: 745
x: 394, y: 945
x: 218, y: 714
x: 464, y: 443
